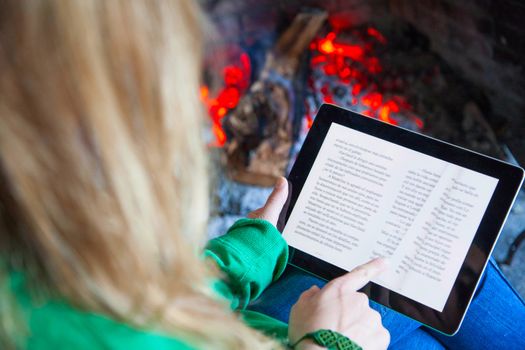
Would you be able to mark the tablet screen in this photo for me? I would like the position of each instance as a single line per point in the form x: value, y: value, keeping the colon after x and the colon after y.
x: 367, y: 197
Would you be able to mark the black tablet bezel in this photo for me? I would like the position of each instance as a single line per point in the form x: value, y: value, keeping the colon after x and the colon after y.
x: 510, y: 179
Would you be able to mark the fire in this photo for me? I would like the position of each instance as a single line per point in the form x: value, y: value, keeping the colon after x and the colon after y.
x: 328, y: 46
x: 355, y: 66
x: 386, y: 109
x: 309, y: 121
x: 373, y: 32
x: 372, y: 100
x: 236, y: 79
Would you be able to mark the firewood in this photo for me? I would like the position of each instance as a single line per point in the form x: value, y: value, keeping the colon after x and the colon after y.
x: 260, y: 128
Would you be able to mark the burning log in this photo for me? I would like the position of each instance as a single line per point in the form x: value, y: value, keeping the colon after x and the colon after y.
x: 260, y: 128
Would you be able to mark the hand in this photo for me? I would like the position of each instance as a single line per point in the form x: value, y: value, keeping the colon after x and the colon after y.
x: 274, y: 204
x: 339, y: 307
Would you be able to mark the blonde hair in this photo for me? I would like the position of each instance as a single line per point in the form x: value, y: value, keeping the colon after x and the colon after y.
x: 103, y: 168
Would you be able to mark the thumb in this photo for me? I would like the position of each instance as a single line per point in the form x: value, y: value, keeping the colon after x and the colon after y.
x: 274, y: 204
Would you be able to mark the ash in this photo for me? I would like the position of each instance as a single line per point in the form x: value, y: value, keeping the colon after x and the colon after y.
x: 233, y: 201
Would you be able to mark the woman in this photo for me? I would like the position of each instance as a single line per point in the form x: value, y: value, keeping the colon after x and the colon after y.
x: 104, y: 190
x: 104, y: 197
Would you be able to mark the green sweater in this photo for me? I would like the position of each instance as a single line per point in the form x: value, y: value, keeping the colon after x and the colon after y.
x: 252, y: 255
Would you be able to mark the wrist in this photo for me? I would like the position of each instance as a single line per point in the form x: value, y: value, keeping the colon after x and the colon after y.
x: 325, y: 339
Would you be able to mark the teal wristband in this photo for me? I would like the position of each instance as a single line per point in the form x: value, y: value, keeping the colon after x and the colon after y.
x: 330, y: 340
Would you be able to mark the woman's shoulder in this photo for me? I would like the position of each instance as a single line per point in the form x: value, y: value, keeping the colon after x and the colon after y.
x: 57, y: 325
x: 51, y: 324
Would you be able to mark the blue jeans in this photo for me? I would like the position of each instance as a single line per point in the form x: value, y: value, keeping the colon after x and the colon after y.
x: 495, y: 319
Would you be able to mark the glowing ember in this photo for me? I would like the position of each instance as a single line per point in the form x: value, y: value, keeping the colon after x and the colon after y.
x: 346, y: 71
x: 236, y: 79
x: 328, y: 46
x: 309, y: 121
x: 376, y: 34
x: 373, y: 100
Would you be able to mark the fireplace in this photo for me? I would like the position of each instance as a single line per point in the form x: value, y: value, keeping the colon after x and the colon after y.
x: 452, y: 70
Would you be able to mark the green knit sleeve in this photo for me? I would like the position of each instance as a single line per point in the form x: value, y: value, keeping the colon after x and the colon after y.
x: 252, y: 254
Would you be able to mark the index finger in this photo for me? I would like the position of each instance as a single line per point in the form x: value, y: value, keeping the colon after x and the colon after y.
x: 361, y: 275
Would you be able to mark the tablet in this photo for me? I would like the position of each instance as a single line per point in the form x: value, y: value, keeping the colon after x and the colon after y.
x: 361, y: 188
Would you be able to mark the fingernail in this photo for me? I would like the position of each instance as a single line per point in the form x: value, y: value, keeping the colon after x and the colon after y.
x: 281, y: 181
